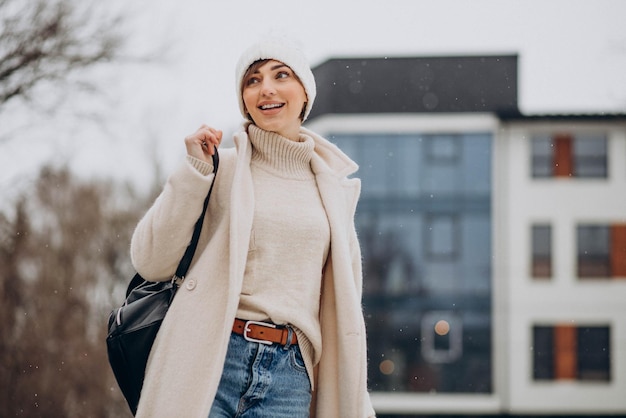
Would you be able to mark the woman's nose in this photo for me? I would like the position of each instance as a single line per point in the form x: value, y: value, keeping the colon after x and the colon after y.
x: 267, y: 88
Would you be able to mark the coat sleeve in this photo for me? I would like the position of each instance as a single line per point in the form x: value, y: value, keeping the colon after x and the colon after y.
x: 162, y: 235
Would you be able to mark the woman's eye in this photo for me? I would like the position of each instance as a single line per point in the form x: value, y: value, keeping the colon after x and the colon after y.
x: 282, y: 74
x: 252, y: 80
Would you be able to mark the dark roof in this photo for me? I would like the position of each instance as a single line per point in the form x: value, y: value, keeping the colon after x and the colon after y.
x: 561, y: 117
x: 420, y: 84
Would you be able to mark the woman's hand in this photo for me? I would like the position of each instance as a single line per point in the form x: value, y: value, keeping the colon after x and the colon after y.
x: 201, y: 143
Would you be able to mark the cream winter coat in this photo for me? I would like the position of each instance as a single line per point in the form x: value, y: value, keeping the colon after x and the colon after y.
x: 186, y: 361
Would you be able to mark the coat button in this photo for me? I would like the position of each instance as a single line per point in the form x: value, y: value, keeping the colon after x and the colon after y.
x: 190, y: 284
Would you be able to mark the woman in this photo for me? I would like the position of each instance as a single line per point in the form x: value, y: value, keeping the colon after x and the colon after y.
x: 268, y: 322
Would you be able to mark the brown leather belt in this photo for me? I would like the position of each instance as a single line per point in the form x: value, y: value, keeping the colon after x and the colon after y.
x: 264, y: 332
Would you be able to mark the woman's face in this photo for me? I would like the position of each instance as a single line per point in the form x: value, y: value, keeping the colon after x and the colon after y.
x: 274, y: 98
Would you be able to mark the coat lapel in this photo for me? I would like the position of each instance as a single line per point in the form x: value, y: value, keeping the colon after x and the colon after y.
x: 340, y: 314
x: 241, y: 212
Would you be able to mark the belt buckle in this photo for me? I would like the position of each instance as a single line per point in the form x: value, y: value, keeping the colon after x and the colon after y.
x: 246, y: 330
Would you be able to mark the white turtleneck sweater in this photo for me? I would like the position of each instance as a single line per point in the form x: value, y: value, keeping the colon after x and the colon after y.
x: 289, y: 242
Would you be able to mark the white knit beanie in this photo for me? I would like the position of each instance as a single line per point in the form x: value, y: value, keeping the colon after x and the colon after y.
x: 280, y: 50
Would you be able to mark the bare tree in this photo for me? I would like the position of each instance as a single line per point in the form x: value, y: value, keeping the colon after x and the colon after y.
x: 64, y: 264
x: 47, y: 40
x: 64, y: 259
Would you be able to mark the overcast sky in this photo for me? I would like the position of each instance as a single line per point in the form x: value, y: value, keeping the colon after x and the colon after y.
x: 572, y: 59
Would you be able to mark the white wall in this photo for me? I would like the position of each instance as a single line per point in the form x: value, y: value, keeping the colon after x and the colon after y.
x: 564, y: 203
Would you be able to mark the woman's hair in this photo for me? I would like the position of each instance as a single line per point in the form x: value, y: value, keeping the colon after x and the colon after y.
x: 253, y: 68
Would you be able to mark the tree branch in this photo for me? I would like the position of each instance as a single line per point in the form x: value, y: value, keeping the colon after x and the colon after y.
x: 48, y: 39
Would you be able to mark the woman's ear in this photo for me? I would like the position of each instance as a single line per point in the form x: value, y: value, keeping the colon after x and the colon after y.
x: 303, y: 111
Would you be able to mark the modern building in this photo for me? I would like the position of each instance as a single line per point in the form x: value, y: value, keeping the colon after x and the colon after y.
x: 494, y: 243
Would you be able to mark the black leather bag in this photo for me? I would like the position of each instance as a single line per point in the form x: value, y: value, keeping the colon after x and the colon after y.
x: 134, y: 326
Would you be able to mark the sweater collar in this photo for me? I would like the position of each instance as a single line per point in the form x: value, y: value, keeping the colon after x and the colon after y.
x: 327, y: 157
x: 280, y: 155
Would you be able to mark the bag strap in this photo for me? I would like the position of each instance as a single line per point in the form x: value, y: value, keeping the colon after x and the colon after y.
x: 185, y: 262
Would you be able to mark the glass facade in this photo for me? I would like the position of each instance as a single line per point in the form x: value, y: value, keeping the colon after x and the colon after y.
x: 424, y: 223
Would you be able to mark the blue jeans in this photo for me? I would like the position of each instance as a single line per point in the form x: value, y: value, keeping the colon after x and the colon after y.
x: 262, y: 381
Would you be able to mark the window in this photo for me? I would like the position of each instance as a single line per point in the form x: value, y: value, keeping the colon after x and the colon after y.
x: 601, y: 251
x: 541, y: 241
x: 594, y: 253
x: 441, y: 237
x: 443, y: 149
x: 566, y: 352
x: 569, y: 155
x: 541, y: 149
x: 590, y: 157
